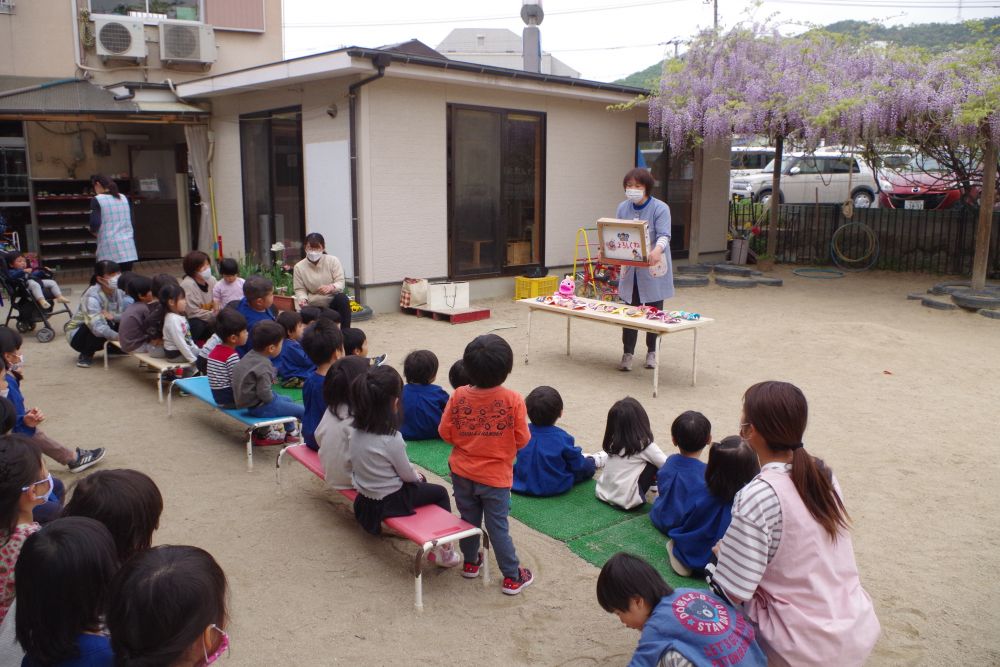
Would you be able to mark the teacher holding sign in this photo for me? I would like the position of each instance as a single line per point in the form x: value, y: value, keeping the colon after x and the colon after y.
x: 645, y: 285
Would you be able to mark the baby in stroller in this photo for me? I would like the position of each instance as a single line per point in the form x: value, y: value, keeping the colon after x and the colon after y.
x: 36, y: 281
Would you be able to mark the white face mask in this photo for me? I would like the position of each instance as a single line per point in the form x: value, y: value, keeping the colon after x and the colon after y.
x: 314, y: 256
x: 113, y: 281
x: 206, y: 274
x: 635, y: 195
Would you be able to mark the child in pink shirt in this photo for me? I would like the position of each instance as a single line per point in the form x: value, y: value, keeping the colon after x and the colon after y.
x: 230, y: 288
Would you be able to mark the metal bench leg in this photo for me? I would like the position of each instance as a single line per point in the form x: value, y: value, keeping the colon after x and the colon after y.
x: 418, y: 577
x: 249, y: 450
x: 170, y: 394
x: 277, y: 468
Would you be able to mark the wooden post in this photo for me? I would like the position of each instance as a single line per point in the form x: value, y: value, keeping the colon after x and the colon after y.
x: 772, y: 225
x: 986, y: 202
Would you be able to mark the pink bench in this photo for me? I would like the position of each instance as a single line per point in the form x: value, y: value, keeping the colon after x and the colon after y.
x: 427, y: 528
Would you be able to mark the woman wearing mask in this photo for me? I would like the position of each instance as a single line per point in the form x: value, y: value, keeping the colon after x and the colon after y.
x: 318, y: 280
x: 96, y: 319
x: 640, y: 285
x: 111, y: 223
x: 198, y: 283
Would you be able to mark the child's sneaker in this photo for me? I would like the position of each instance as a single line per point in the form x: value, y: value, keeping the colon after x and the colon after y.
x: 515, y: 586
x: 262, y: 438
x: 444, y: 556
x: 85, y: 458
x: 471, y: 570
x: 293, y: 383
x: 62, y: 299
x: 292, y: 439
x: 379, y: 360
x: 600, y: 458
x: 44, y: 304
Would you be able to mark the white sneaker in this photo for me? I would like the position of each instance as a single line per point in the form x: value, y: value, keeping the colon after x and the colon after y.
x: 600, y: 458
x: 444, y: 556
x: 626, y: 364
x: 651, y: 360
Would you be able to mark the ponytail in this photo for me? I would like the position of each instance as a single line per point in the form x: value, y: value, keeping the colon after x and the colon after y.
x: 779, y: 412
x: 373, y: 398
x: 105, y: 267
x: 107, y: 184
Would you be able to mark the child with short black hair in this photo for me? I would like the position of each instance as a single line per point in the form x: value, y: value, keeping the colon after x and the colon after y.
x: 356, y: 342
x: 679, y: 627
x: 230, y: 287
x: 550, y: 463
x: 732, y: 464
x: 337, y: 425
x: 457, y: 377
x: 293, y: 364
x: 633, y: 456
x: 258, y: 295
x: 36, y: 280
x: 253, y: 377
x: 231, y: 327
x: 133, y: 330
x: 387, y: 484
x: 682, y: 477
x: 177, y: 341
x: 423, y: 401
x: 166, y: 604
x: 323, y: 343
x: 486, y: 424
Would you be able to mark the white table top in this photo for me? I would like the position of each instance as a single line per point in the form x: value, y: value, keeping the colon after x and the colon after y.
x: 617, y: 319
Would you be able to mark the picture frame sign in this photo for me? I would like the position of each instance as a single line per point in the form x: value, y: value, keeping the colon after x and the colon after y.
x: 624, y: 242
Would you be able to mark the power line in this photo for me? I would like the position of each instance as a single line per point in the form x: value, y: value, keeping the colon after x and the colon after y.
x: 481, y: 19
x: 888, y: 4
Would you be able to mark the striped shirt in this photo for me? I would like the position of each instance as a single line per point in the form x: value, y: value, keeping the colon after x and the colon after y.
x: 221, y: 362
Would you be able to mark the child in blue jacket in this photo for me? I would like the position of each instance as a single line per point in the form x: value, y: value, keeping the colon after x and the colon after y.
x: 683, y: 474
x: 293, y: 364
x: 550, y: 463
x: 423, y: 401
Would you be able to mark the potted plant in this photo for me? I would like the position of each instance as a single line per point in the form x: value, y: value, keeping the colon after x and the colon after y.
x: 279, y: 273
x: 765, y: 262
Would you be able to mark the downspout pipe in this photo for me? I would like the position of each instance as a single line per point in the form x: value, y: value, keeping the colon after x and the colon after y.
x: 380, y: 61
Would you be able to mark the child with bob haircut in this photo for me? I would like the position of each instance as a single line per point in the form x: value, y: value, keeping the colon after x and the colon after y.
x: 324, y: 344
x: 177, y: 341
x: 258, y: 296
x: 486, y: 424
x: 788, y: 557
x: 230, y: 287
x: 633, y: 457
x: 133, y: 330
x: 24, y: 485
x: 423, y: 401
x: 127, y: 502
x: 731, y: 466
x: 335, y: 429
x: 167, y: 606
x: 231, y: 328
x: 293, y: 364
x: 63, y: 576
x: 386, y: 481
x: 252, y: 380
x: 682, y: 477
x: 550, y: 463
x: 683, y: 627
x: 457, y: 377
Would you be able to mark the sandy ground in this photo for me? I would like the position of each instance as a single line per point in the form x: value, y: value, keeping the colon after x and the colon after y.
x: 904, y: 407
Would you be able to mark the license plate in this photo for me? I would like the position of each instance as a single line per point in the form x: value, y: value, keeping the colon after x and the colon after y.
x: 914, y: 204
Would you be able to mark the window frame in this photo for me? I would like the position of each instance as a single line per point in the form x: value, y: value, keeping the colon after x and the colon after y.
x: 146, y: 19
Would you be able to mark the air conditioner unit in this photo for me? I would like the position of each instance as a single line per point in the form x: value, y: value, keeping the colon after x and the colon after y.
x: 187, y: 42
x: 119, y: 37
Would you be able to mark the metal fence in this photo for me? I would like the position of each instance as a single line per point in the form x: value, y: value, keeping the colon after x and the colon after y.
x: 907, y: 240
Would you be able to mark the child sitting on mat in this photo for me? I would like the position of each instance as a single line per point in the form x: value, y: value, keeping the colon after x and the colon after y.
x: 36, y: 280
x: 682, y: 477
x: 356, y: 342
x: 457, y: 377
x: 550, y: 463
x: 633, y: 457
x: 231, y: 327
x: 679, y: 627
x: 252, y: 380
x: 133, y: 330
x: 423, y: 401
x: 293, y: 364
x: 324, y: 344
x: 387, y: 484
x: 333, y: 435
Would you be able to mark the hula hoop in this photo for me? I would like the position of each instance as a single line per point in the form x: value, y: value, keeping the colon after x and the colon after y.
x: 870, y: 255
x: 819, y: 274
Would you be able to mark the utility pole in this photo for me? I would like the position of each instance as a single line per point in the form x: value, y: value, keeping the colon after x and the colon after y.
x: 959, y: 11
x: 715, y: 22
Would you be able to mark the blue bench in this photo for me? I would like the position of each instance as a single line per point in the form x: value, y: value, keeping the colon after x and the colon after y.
x: 199, y: 388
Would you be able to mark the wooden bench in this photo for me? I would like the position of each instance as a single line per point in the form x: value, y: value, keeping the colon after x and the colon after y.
x: 199, y: 388
x: 160, y: 364
x: 428, y: 527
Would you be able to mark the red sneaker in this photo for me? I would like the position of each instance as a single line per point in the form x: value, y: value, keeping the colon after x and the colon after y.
x: 515, y: 586
x: 471, y: 570
x: 267, y: 439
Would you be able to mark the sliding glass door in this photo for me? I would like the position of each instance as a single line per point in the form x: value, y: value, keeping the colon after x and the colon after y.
x: 496, y: 183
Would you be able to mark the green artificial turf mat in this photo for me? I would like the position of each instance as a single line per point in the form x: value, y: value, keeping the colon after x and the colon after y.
x: 591, y: 529
x: 294, y: 394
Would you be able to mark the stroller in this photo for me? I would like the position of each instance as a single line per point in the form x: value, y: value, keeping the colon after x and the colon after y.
x: 25, y: 309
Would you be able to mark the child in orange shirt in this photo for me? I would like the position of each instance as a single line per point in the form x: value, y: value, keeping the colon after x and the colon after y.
x: 486, y: 424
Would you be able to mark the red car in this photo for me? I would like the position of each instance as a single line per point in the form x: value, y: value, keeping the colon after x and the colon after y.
x: 924, y: 185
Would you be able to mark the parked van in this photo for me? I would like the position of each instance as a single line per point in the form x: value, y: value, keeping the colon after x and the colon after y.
x: 745, y: 160
x: 806, y: 177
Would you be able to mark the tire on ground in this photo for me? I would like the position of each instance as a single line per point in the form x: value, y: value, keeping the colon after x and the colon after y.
x: 992, y: 314
x: 937, y: 305
x: 690, y: 281
x: 976, y: 300
x: 735, y: 283
x: 694, y: 269
x: 730, y: 270
x: 769, y: 282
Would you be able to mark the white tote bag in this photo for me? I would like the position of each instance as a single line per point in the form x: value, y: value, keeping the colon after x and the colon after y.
x: 448, y: 296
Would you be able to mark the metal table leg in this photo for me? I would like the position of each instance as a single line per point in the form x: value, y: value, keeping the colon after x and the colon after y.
x: 569, y: 322
x: 694, y: 359
x: 656, y: 369
x: 527, y: 343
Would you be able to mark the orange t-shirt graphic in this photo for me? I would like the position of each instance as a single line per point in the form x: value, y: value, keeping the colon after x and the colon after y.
x: 485, y: 427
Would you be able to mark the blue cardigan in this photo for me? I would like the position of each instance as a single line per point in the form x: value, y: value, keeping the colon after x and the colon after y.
x: 550, y: 463
x: 703, y: 527
x: 678, y: 480
x: 423, y: 405
x: 17, y: 398
x: 253, y: 317
x: 312, y: 400
x: 292, y: 361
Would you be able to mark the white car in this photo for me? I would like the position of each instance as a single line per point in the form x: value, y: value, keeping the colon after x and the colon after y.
x: 806, y: 177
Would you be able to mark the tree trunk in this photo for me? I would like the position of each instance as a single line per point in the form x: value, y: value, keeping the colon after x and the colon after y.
x: 986, y: 202
x: 772, y: 225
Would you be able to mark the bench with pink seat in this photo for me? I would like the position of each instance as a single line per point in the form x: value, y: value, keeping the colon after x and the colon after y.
x: 428, y: 527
